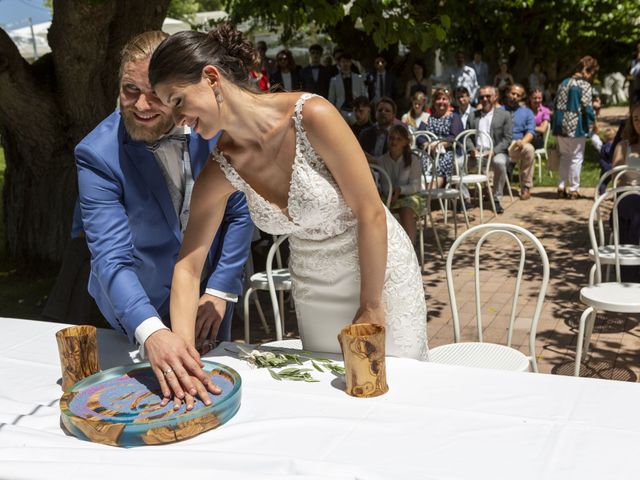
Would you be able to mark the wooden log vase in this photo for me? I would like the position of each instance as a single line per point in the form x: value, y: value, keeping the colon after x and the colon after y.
x: 363, y: 351
x: 78, y: 350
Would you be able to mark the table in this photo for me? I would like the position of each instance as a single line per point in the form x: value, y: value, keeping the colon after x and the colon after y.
x: 436, y: 422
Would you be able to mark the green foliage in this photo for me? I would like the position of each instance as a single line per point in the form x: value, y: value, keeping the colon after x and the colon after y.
x: 185, y: 9
x: 387, y: 21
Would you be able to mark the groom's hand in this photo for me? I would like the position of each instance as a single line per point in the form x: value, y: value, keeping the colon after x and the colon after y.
x: 211, y: 310
x: 175, y: 363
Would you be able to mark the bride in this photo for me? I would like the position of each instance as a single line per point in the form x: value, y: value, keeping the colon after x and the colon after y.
x: 304, y: 174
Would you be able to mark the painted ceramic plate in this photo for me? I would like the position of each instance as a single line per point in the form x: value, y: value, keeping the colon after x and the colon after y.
x: 121, y: 407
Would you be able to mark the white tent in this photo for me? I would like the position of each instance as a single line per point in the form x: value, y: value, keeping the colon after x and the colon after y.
x: 25, y: 40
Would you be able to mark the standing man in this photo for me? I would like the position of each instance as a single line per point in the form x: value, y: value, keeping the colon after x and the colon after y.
x: 380, y: 82
x: 496, y: 123
x: 521, y: 149
x: 315, y: 76
x: 463, y: 76
x: 268, y: 63
x: 136, y: 171
x: 481, y: 68
x: 345, y: 87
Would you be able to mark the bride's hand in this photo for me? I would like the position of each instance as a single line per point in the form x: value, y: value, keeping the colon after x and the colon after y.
x: 370, y: 315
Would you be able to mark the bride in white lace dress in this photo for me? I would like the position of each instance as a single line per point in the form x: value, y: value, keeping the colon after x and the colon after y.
x: 304, y: 174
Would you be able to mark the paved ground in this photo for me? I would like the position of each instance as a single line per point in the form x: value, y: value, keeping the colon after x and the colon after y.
x: 561, y: 227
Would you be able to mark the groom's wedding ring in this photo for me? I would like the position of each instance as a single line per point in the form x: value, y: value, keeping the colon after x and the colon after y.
x: 167, y: 371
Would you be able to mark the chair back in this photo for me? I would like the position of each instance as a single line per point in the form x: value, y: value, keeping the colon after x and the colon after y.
x: 465, y: 142
x: 595, y: 216
x: 547, y: 134
x: 429, y: 137
x: 384, y: 176
x: 274, y: 251
x: 515, y: 233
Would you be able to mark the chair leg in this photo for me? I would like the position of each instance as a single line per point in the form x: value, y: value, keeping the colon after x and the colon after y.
x: 454, y: 205
x: 581, y: 329
x: 588, y: 331
x: 592, y: 275
x: 247, y: 294
x: 263, y: 319
x: 435, y: 233
x: 493, y: 205
x: 480, y: 201
x: 464, y: 210
x: 281, y: 305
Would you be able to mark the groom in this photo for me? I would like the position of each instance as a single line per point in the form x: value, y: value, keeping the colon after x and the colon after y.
x: 135, y: 175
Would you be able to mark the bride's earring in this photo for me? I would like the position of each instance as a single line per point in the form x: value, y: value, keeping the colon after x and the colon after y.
x: 218, y: 95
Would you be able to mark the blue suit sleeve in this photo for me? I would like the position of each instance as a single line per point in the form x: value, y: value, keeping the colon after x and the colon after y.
x: 106, y: 226
x: 235, y: 233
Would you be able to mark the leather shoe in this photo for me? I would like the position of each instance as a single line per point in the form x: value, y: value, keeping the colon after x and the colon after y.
x: 562, y: 193
x: 499, y: 208
x: 574, y: 195
x: 525, y: 194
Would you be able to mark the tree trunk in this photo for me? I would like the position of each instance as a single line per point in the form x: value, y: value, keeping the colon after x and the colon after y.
x: 48, y: 107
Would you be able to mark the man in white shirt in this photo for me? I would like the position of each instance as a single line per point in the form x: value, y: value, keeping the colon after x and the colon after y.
x: 497, y: 124
x: 481, y: 68
x: 136, y: 172
x: 463, y: 76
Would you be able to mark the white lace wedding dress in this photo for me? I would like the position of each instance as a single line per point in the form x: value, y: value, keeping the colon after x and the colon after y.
x: 324, y: 256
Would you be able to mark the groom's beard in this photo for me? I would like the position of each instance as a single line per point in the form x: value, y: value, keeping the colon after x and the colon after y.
x: 142, y: 132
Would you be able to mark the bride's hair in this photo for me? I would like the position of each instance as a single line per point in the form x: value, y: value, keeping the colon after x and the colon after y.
x: 182, y: 56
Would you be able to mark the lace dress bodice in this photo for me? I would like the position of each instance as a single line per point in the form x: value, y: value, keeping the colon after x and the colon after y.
x: 317, y: 210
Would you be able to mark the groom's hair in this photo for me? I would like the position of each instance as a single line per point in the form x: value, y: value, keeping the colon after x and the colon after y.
x: 141, y: 47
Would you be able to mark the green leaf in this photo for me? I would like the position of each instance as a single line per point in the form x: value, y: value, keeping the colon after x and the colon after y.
x: 316, y: 366
x: 445, y: 21
x: 274, y: 375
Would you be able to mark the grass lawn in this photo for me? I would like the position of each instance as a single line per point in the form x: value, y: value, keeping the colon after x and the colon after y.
x: 23, y: 293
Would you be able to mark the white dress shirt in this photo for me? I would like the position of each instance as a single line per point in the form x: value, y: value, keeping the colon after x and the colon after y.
x: 484, y: 125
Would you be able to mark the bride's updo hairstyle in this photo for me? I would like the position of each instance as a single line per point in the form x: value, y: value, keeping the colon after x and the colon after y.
x: 182, y: 56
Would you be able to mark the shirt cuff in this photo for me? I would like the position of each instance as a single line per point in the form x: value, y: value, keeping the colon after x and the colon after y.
x: 229, y: 297
x: 145, y: 329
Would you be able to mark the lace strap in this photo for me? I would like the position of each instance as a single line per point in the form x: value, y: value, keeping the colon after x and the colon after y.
x: 236, y: 180
x: 304, y: 150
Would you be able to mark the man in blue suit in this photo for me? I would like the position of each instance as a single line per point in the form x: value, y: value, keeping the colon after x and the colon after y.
x: 135, y: 175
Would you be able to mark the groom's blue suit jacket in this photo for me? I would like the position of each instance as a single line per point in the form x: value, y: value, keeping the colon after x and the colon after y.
x: 133, y: 231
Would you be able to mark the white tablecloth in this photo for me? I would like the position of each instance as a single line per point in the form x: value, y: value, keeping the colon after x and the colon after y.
x: 436, y: 422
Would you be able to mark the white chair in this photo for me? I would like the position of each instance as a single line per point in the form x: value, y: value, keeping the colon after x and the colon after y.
x: 384, y: 176
x: 442, y: 194
x: 542, y: 152
x: 430, y: 137
x: 272, y: 280
x: 480, y: 173
x: 615, y: 296
x: 491, y: 355
x: 629, y: 254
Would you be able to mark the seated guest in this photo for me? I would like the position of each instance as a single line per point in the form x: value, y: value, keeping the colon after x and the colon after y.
x: 521, y: 150
x: 495, y: 122
x: 417, y: 114
x: 346, y: 86
x: 463, y: 101
x: 541, y: 116
x: 627, y: 152
x: 136, y: 171
x: 446, y: 125
x: 315, y: 76
x: 405, y: 170
x: 606, y: 150
x: 362, y: 115
x: 419, y: 82
x: 380, y: 82
x: 286, y: 76
x: 373, y: 140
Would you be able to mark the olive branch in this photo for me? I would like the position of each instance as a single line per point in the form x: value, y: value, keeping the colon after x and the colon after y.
x: 272, y: 360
